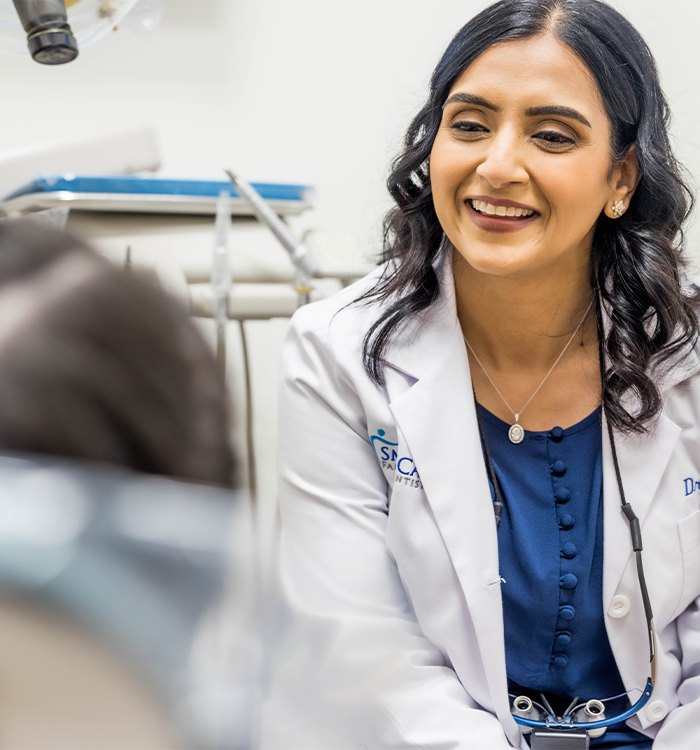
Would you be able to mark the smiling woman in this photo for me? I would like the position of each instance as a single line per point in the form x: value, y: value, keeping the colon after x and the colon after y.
x: 539, y: 145
x: 529, y: 148
x: 528, y: 348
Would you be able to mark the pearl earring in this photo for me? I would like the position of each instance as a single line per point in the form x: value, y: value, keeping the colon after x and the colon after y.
x: 618, y: 208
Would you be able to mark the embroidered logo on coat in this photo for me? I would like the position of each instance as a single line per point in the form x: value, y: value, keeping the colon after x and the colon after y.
x: 404, y: 468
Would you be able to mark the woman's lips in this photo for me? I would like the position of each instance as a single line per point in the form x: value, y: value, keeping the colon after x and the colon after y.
x: 491, y: 223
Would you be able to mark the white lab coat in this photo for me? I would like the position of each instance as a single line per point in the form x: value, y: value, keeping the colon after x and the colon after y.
x: 389, y: 568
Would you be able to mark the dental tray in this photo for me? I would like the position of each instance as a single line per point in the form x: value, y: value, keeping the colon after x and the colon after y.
x: 129, y: 194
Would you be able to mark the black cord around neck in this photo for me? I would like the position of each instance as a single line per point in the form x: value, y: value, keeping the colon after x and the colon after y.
x: 497, y: 490
x: 632, y: 520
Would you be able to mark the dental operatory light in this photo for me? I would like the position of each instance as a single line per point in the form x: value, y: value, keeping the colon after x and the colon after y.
x: 55, y: 30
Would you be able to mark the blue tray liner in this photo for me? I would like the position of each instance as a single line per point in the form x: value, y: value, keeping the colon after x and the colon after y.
x: 130, y: 185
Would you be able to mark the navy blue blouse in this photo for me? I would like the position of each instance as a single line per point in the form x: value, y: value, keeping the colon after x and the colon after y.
x: 550, y: 543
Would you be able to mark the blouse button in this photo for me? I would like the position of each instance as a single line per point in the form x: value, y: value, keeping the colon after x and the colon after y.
x: 563, y: 639
x: 569, y: 550
x: 656, y: 710
x: 566, y: 521
x: 560, y: 660
x: 562, y: 495
x: 556, y: 433
x: 558, y: 468
x: 568, y: 581
x: 567, y: 612
x: 619, y: 606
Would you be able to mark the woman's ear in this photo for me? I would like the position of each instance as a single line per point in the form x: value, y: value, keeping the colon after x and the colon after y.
x: 623, y: 183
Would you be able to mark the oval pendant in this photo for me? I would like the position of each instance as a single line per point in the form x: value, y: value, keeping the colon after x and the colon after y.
x: 516, y: 434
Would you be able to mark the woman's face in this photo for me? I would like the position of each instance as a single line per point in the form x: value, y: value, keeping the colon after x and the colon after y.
x: 521, y: 167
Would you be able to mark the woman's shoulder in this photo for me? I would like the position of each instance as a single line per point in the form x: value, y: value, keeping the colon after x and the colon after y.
x: 348, y: 312
x: 323, y: 345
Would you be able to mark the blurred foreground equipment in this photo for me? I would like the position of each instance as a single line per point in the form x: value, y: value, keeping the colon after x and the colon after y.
x: 127, y: 611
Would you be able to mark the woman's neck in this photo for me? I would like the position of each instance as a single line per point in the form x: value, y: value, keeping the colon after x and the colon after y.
x: 513, y: 323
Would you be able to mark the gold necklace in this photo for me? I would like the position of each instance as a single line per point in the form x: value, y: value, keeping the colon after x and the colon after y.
x: 516, y: 432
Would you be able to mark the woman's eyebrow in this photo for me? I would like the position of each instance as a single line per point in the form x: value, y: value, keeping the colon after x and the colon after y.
x: 558, y: 111
x: 550, y: 109
x: 471, y: 99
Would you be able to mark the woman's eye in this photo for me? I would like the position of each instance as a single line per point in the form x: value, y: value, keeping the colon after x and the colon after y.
x: 468, y: 127
x: 554, y: 140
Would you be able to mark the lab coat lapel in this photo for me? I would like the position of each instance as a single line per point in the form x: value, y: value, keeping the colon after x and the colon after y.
x: 642, y: 460
x: 437, y: 419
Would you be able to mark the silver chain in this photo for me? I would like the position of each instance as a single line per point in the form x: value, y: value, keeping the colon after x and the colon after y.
x: 517, y: 415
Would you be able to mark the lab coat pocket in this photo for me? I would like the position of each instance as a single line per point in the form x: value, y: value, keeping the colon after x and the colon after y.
x: 689, y: 532
x: 689, y: 537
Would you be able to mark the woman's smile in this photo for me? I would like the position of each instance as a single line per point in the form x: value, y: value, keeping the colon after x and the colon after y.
x: 521, y: 166
x: 494, y: 215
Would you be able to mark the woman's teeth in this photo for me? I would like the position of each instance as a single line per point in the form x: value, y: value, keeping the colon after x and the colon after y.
x: 490, y: 210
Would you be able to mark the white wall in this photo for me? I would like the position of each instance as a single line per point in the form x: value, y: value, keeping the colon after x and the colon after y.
x: 317, y: 91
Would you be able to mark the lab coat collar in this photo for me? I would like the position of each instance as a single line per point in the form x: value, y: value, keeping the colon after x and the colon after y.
x: 424, y: 344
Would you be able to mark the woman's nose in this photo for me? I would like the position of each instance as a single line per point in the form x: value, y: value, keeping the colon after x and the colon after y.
x: 502, y: 162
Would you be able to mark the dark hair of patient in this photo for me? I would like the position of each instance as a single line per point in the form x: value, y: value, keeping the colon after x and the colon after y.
x: 637, y: 261
x: 100, y: 365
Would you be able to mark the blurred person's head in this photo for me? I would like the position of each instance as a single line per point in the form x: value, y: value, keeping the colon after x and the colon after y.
x: 100, y: 365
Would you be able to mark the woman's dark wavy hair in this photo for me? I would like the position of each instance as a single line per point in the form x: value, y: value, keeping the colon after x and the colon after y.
x: 636, y: 262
